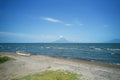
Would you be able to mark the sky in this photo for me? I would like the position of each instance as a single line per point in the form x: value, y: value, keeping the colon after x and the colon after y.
x: 85, y: 21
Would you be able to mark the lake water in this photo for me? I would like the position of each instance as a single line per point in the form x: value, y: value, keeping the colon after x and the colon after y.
x: 104, y: 52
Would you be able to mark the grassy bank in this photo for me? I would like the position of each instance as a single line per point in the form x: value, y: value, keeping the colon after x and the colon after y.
x: 52, y: 75
x: 4, y: 59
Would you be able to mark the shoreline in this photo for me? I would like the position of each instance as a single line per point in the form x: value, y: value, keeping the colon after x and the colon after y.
x: 75, y: 60
x: 26, y: 65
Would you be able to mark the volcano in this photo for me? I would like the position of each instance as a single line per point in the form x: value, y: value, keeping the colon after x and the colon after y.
x: 61, y: 40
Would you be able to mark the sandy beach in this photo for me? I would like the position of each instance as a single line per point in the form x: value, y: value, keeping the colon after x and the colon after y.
x: 21, y: 66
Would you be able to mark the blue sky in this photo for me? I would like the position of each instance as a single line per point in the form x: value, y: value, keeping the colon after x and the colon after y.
x: 47, y: 20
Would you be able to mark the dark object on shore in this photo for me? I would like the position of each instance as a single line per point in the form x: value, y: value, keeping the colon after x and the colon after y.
x: 4, y: 59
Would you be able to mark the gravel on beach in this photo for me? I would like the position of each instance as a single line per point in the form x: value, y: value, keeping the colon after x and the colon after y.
x: 20, y: 66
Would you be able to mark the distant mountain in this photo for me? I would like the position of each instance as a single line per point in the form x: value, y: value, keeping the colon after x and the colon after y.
x: 61, y: 40
x: 114, y: 41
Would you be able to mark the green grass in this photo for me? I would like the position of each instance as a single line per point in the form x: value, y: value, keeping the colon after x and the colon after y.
x: 4, y: 59
x: 52, y: 75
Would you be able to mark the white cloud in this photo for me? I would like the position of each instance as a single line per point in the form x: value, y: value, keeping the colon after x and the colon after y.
x: 60, y: 36
x: 51, y: 19
x: 80, y: 24
x: 68, y: 24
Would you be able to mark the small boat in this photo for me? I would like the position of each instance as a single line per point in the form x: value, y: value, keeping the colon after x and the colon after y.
x: 22, y: 53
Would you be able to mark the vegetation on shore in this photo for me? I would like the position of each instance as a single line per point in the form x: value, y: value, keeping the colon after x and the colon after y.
x: 51, y: 75
x: 4, y: 59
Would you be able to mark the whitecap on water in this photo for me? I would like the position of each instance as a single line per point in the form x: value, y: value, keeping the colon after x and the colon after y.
x: 113, y: 49
x: 60, y: 48
x: 116, y: 49
x: 112, y: 53
x: 47, y: 47
x: 41, y: 47
x: 97, y: 48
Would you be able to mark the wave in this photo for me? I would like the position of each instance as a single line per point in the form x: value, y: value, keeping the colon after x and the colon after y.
x: 108, y: 49
x: 113, y: 49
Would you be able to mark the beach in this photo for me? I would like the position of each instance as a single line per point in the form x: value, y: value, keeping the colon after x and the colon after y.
x: 21, y: 66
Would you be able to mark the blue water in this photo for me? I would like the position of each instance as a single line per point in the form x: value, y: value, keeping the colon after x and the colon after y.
x: 103, y: 52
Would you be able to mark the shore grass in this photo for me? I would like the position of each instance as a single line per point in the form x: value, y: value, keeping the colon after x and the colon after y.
x: 51, y: 75
x: 4, y: 59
